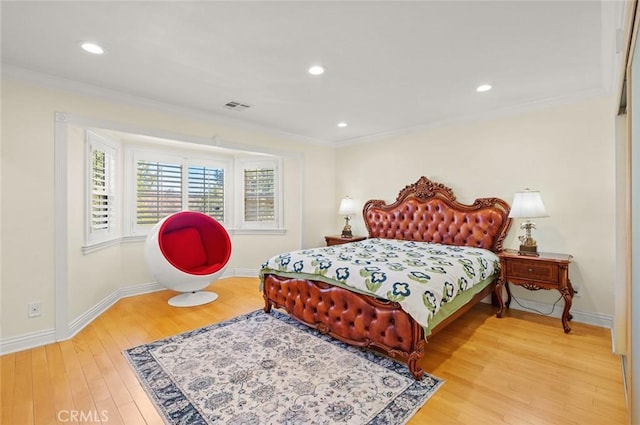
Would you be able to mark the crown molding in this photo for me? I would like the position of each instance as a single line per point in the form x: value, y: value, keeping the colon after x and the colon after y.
x: 480, y: 117
x: 84, y: 89
x: 75, y: 87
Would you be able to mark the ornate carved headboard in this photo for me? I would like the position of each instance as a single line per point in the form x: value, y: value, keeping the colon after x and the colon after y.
x: 428, y: 211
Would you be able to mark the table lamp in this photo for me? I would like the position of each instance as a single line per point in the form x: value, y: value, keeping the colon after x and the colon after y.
x: 527, y: 204
x: 347, y: 209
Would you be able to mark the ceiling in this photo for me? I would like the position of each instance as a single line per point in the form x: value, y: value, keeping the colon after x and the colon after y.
x: 391, y: 66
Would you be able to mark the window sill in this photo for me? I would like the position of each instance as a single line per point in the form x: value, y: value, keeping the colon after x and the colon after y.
x: 257, y: 231
x: 137, y: 238
x: 88, y: 249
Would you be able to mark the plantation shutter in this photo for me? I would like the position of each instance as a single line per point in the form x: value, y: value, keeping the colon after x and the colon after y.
x: 102, y: 199
x: 259, y: 194
x: 206, y: 191
x: 159, y: 191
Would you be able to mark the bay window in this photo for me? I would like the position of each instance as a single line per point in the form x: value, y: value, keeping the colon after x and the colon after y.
x: 239, y: 189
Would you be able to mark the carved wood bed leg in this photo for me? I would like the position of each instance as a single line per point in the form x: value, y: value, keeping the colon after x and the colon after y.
x: 267, y: 304
x: 413, y: 362
x: 415, y: 370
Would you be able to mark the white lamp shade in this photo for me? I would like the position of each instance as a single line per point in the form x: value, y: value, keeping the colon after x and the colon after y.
x: 347, y: 207
x: 527, y: 204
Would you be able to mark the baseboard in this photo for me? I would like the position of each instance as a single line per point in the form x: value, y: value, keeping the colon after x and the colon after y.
x: 595, y: 319
x: 26, y: 341
x: 145, y: 288
x: 90, y: 315
x: 246, y: 273
x: 48, y: 336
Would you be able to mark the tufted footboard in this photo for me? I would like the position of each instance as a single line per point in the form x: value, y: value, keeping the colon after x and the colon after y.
x: 354, y: 318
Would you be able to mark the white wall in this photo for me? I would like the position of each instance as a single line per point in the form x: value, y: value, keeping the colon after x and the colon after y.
x: 633, y: 350
x: 28, y: 272
x: 95, y: 276
x: 622, y: 295
x: 567, y: 152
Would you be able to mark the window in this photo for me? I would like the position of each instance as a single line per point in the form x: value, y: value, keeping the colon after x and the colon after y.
x: 259, y: 194
x: 158, y: 191
x: 206, y: 191
x: 166, y: 183
x: 260, y: 189
x: 242, y: 190
x: 102, y: 201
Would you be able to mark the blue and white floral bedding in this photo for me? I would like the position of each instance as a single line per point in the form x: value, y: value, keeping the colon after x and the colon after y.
x: 420, y: 276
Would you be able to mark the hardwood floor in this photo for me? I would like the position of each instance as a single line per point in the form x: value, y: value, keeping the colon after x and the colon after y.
x: 521, y: 369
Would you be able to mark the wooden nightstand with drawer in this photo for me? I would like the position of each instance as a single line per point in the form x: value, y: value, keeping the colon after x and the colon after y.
x: 546, y: 271
x: 338, y: 240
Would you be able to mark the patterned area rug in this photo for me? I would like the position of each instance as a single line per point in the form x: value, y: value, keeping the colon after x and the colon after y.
x: 270, y: 369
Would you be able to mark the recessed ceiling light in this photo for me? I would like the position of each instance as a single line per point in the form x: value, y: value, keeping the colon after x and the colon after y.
x: 342, y: 124
x: 92, y: 48
x: 316, y: 70
x: 483, y: 87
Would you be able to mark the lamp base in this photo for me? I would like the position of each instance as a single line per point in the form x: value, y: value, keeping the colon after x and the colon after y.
x: 346, y: 230
x: 530, y: 250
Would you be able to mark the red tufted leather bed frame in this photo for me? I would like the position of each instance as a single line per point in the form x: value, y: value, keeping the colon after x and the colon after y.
x: 423, y: 211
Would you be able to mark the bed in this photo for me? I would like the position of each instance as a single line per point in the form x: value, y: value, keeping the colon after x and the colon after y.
x: 364, y: 293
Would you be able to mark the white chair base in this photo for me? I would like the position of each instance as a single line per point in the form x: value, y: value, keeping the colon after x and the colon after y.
x: 192, y: 299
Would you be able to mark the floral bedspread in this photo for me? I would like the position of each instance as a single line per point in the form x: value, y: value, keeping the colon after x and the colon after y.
x: 420, y: 276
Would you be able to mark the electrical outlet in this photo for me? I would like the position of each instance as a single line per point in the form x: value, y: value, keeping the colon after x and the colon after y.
x: 577, y: 290
x: 34, y: 309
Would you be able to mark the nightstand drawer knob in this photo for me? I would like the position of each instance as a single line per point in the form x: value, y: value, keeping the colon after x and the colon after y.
x: 530, y: 270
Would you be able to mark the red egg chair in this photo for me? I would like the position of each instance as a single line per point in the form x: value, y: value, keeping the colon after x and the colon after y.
x: 186, y: 252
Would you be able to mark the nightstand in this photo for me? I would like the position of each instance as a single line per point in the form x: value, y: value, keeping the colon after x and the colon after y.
x: 337, y: 239
x: 546, y: 271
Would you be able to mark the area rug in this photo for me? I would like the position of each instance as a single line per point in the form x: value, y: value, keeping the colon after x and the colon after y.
x: 263, y: 368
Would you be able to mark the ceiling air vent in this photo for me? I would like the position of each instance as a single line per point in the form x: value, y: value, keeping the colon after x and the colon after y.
x: 236, y: 106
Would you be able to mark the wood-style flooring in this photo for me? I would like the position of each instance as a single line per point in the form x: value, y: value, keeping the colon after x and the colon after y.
x: 521, y: 369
